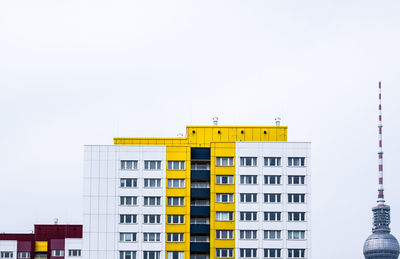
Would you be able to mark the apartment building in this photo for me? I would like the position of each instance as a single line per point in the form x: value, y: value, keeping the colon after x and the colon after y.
x: 219, y: 192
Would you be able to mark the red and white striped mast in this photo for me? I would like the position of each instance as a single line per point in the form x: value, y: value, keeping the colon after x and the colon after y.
x: 381, y: 200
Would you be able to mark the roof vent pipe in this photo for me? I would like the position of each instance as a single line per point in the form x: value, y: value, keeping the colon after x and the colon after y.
x: 215, y: 121
x: 278, y: 121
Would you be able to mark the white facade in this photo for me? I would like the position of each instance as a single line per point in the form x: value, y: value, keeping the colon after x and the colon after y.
x: 7, y: 247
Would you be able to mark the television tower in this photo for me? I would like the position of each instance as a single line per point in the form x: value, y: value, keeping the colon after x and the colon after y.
x: 381, y: 244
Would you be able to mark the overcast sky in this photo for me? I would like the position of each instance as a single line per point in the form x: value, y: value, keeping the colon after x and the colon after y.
x: 82, y: 72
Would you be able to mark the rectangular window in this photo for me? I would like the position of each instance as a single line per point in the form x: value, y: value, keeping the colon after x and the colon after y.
x: 272, y: 179
x: 224, y: 161
x: 224, y: 179
x: 152, y: 182
x: 248, y: 252
x: 175, y: 237
x: 176, y: 219
x: 248, y: 234
x: 296, y: 216
x: 272, y: 253
x: 127, y: 254
x: 224, y: 252
x: 74, y: 252
x: 272, y: 234
x: 272, y: 216
x: 296, y: 179
x: 296, y: 234
x: 6, y: 255
x: 200, y: 239
x: 151, y: 219
x: 152, y: 201
x: 127, y: 237
x: 151, y: 255
x: 175, y: 255
x: 296, y: 198
x: 127, y: 218
x: 224, y: 216
x: 128, y: 183
x: 199, y: 184
x: 248, y: 197
x: 296, y: 253
x: 58, y: 253
x: 176, y: 183
x: 129, y: 164
x: 152, y: 165
x: 248, y: 216
x: 248, y: 179
x: 200, y: 165
x: 128, y: 201
x: 224, y: 234
x: 176, y: 165
x: 296, y: 161
x: 200, y: 202
x: 199, y: 220
x: 176, y: 201
x: 151, y: 237
x: 248, y: 161
x: 272, y: 161
x: 28, y: 254
x: 272, y: 197
x: 225, y: 197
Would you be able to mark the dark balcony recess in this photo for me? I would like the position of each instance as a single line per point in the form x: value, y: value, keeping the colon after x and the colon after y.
x: 199, y: 228
x: 200, y: 154
x: 200, y: 174
x: 200, y: 210
x: 200, y: 192
x: 199, y: 247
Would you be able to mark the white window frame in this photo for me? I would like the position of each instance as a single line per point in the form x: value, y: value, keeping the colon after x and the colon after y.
x: 277, y: 253
x: 225, y: 161
x: 176, y: 165
x: 74, y: 252
x: 273, y: 234
x: 176, y: 183
x: 229, y: 179
x: 151, y: 237
x: 272, y: 161
x: 175, y: 255
x: 292, y: 253
x: 147, y: 201
x: 296, y: 235
x: 125, y: 165
x: 127, y: 237
x: 149, y: 183
x: 277, y: 197
x: 171, y: 219
x: 224, y: 216
x: 296, y: 198
x: 248, y: 161
x: 123, y: 219
x: 224, y: 234
x: 175, y: 237
x: 127, y: 254
x: 296, y: 161
x: 152, y: 165
x: 224, y: 197
x: 156, y: 254
x: 277, y: 179
x: 248, y: 234
x: 301, y: 179
x: 248, y: 198
x: 57, y: 253
x: 148, y: 218
x: 123, y: 201
x: 6, y: 254
x: 277, y: 216
x: 243, y: 215
x: 124, y: 183
x: 243, y: 252
x: 248, y: 179
x: 219, y: 252
x: 175, y: 201
x: 24, y: 255
x: 292, y: 215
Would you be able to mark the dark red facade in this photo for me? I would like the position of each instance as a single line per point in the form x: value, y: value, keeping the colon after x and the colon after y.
x: 55, y: 236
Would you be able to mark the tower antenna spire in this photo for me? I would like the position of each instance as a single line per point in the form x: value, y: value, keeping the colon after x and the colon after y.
x: 381, y: 200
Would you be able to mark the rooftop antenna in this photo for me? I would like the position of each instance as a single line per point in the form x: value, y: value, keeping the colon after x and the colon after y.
x: 278, y: 121
x: 381, y: 200
x: 55, y: 221
x: 215, y: 121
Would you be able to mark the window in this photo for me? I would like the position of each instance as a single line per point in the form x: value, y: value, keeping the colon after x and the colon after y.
x: 224, y: 179
x: 224, y: 216
x: 200, y: 166
x: 151, y: 219
x: 151, y: 237
x: 248, y: 179
x: 272, y: 197
x: 248, y: 216
x: 296, y: 198
x: 296, y: 234
x: 28, y: 254
x: 200, y: 239
x: 176, y: 219
x: 57, y: 252
x: 296, y: 253
x: 225, y: 197
x: 199, y: 256
x: 272, y: 161
x: 224, y: 161
x: 127, y: 254
x: 175, y: 255
x: 199, y: 184
x: 129, y: 164
x: 174, y: 237
x: 248, y: 161
x: 200, y: 202
x: 272, y: 234
x: 151, y: 255
x: 152, y: 201
x: 296, y: 161
x: 272, y: 253
x: 296, y: 179
x: 248, y: 234
x: 296, y: 216
x: 152, y: 183
x: 128, y: 182
x: 272, y: 179
x: 224, y: 234
x: 128, y: 200
x: 176, y: 165
x: 152, y: 165
x: 248, y: 197
x: 176, y: 183
x: 176, y: 201
x: 128, y: 218
x: 199, y: 220
x: 224, y: 252
x: 127, y: 237
x: 248, y: 252
x: 272, y: 216
x: 6, y: 255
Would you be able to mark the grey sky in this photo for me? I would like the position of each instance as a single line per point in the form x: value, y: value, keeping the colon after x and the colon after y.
x: 81, y: 72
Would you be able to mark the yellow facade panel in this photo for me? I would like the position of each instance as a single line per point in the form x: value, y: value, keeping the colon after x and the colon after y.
x: 41, y: 246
